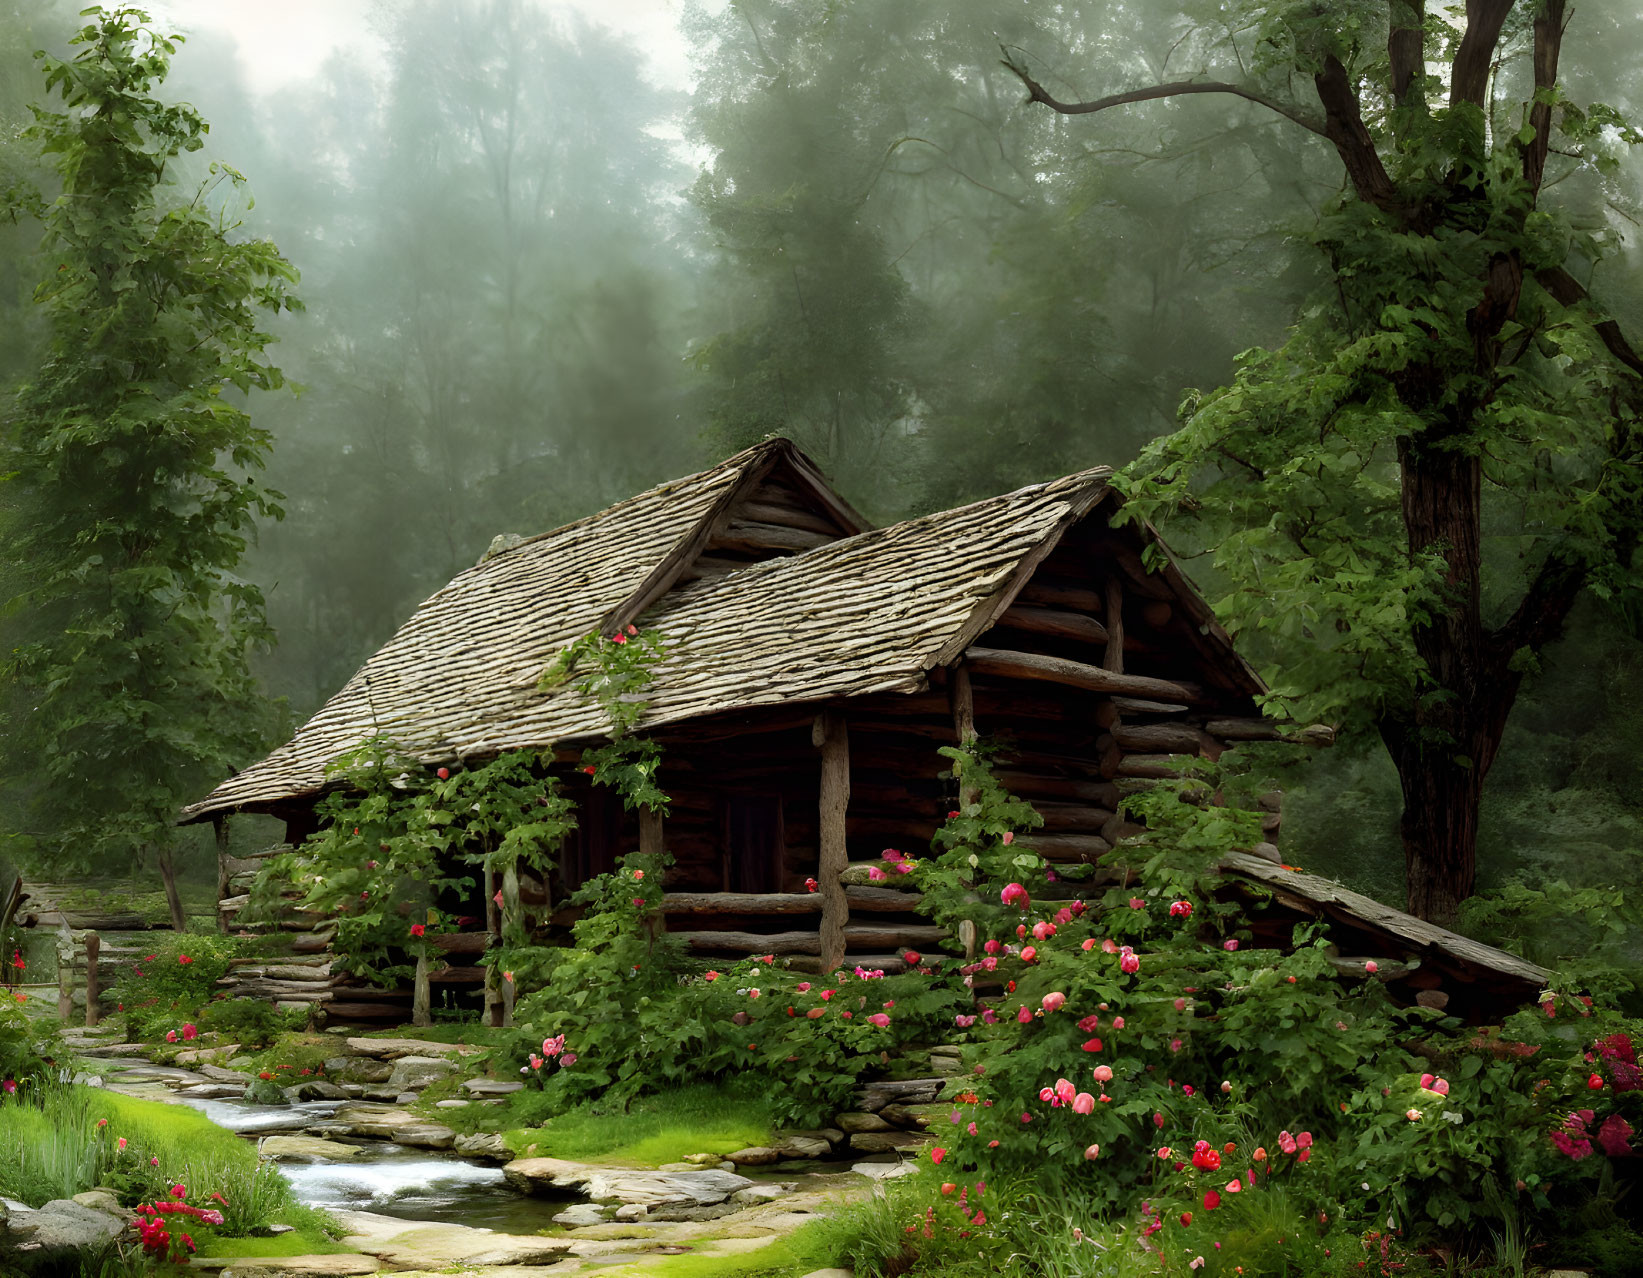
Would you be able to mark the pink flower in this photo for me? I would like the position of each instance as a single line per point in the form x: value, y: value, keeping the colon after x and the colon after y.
x: 1043, y: 931
x: 1212, y: 1200
x: 1064, y: 1090
x: 1234, y: 1185
x: 1023, y: 1016
x: 171, y: 1036
x: 553, y: 1046
x: 1304, y: 1141
x: 1054, y: 1001
x: 874, y: 873
x: 1441, y: 1087
x: 1427, y: 1080
x: 1136, y: 903
x: 508, y: 977
x: 826, y: 995
x: 119, y: 1141
x: 1092, y: 1045
x: 1229, y: 945
x: 1413, y: 1115
x: 912, y: 958
x: 1130, y: 962
x: 1029, y: 954
x: 1089, y: 944
x: 190, y: 1032
x: 1102, y: 1073
x: 1008, y: 837
x: 1091, y: 1153
x: 1118, y: 1022
x: 1615, y: 1136
x: 1180, y: 909
x: 964, y: 1022
x: 1371, y: 967
x: 1083, y: 1103
x: 710, y: 975
x: 937, y: 1154
x: 498, y: 898
x: 890, y: 854
x: 1016, y: 895
x: 567, y: 1060
x: 879, y: 1019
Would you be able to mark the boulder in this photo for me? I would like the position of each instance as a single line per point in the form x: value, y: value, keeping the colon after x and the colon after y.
x: 452, y: 1104
x: 484, y: 1145
x: 336, y: 1266
x: 358, y: 1069
x: 389, y: 1049
x: 104, y: 1200
x: 214, y: 1091
x: 218, y: 1074
x: 492, y: 1086
x: 384, y: 1122
x: 411, y: 1245
x: 65, y: 1225
x: 580, y: 1215
x: 883, y: 1142
x: 832, y: 1135
x: 908, y: 1091
x: 863, y: 1122
x: 630, y: 1212
x: 656, y: 1190
x: 753, y: 1195
x: 755, y: 1156
x: 308, y: 1149
x: 916, y: 1117
x: 265, y: 1091
x: 883, y: 1171
x: 316, y: 1089
x: 801, y: 1147
x: 413, y: 1073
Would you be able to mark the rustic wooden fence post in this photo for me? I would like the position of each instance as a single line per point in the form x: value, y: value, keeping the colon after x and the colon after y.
x: 65, y: 975
x: 831, y: 734
x: 420, y: 1013
x: 219, y: 826
x: 94, y: 981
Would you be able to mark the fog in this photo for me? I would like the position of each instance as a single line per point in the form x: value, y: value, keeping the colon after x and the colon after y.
x: 554, y: 253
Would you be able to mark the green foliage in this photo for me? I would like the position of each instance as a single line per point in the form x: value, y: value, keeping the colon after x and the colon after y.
x: 394, y: 836
x: 249, y: 1022
x: 29, y: 1048
x: 172, y: 984
x: 129, y: 461
x: 623, y: 1020
x: 622, y: 668
x: 61, y: 1141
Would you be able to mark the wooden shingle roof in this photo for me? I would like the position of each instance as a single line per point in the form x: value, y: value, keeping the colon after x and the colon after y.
x: 869, y: 613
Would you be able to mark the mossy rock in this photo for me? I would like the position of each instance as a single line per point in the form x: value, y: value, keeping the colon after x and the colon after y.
x: 266, y: 1091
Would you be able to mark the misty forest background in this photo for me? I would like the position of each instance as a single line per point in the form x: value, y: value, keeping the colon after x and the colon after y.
x: 536, y: 282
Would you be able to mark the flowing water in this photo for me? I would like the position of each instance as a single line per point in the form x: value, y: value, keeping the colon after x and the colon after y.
x: 390, y: 1180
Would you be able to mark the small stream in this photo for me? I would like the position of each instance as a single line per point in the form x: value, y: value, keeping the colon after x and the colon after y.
x: 388, y: 1179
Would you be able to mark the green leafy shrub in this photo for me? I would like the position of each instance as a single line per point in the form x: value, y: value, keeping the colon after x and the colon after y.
x: 29, y: 1048
x: 172, y: 983
x: 617, y: 1016
x: 249, y: 1022
x: 1137, y: 1045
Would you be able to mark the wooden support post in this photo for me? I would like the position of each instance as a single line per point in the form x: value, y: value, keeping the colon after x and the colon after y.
x: 94, y: 982
x: 831, y: 735
x: 490, y: 883
x: 653, y: 842
x: 421, y: 1014
x: 219, y: 826
x: 964, y: 719
x: 1114, y: 659
x: 168, y: 876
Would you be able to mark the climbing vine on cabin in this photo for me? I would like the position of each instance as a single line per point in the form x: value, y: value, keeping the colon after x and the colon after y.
x: 392, y: 837
x: 622, y: 666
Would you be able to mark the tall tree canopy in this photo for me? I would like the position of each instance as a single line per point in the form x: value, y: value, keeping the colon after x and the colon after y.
x: 1411, y: 492
x: 131, y: 461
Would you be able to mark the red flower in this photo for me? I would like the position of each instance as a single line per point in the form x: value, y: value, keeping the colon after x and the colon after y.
x: 444, y: 774
x: 265, y: 1076
x: 417, y: 929
x: 1212, y: 1200
x: 810, y: 885
x: 184, y: 959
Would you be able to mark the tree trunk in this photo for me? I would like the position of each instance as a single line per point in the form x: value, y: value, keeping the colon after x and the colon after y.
x: 1439, y: 826
x: 168, y: 876
x: 420, y: 1010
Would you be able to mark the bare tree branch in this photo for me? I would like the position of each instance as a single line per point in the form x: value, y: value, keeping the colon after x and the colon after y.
x: 1566, y: 290
x: 1036, y: 92
x: 1344, y: 126
x: 1469, y: 79
x: 1404, y: 46
x: 1549, y: 24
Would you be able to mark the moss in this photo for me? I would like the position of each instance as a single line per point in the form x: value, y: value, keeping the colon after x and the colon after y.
x: 770, y: 1261
x: 652, y: 1131
x: 467, y: 1034
x: 303, y: 1241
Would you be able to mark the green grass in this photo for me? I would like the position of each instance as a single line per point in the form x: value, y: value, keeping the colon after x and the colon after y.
x: 775, y: 1260
x: 302, y: 1241
x: 52, y: 1146
x: 653, y: 1130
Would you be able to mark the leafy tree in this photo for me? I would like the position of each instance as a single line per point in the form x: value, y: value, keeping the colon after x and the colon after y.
x: 1411, y: 493
x: 131, y: 457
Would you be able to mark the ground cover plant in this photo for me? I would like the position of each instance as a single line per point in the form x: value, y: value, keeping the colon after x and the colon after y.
x: 57, y: 1141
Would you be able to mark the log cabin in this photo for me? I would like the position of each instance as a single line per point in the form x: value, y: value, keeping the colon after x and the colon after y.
x: 813, y: 667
